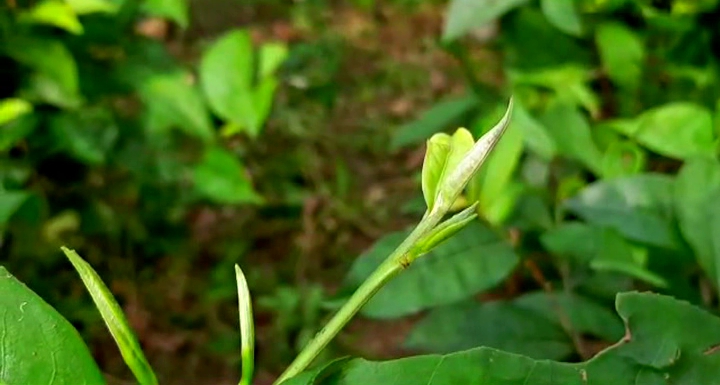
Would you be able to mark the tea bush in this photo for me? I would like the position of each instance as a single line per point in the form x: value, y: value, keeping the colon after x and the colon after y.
x: 601, y: 190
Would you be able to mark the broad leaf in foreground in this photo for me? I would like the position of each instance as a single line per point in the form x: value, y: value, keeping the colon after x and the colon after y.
x: 666, y: 342
x: 696, y: 190
x: 37, y: 345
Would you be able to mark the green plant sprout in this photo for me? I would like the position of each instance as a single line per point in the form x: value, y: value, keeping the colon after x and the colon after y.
x: 247, y: 329
x: 450, y: 163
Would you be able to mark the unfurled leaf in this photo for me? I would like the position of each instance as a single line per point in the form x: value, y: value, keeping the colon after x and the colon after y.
x: 678, y: 130
x: 571, y: 131
x: 529, y: 325
x: 14, y: 131
x: 569, y: 82
x: 221, y: 178
x: 87, y: 136
x: 536, y: 136
x: 11, y: 109
x: 10, y: 202
x: 83, y: 7
x: 38, y: 345
x: 226, y: 75
x: 603, y: 249
x: 271, y: 55
x: 263, y: 97
x: 56, y: 13
x: 659, y: 346
x: 172, y: 102
x: 432, y: 121
x: 473, y: 260
x: 695, y: 196
x: 623, y: 158
x: 114, y: 319
x: 617, y: 255
x: 465, y: 15
x: 622, y: 54
x: 640, y: 207
x: 56, y: 77
x: 175, y: 10
x: 564, y: 15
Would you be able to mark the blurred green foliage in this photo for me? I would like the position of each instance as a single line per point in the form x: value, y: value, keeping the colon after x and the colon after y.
x: 107, y: 135
x: 606, y: 182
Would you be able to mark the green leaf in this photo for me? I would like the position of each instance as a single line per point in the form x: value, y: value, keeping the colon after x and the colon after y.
x: 622, y: 54
x: 640, y: 207
x: 571, y: 131
x: 569, y: 82
x: 603, y: 249
x: 272, y: 55
x: 696, y: 191
x: 436, y: 154
x: 564, y: 15
x: 221, y: 178
x: 473, y: 260
x: 84, y: 7
x: 432, y: 121
x: 175, y: 10
x: 442, y: 157
x: 56, y: 13
x: 226, y: 77
x: 171, y: 101
x: 87, y: 136
x: 10, y: 202
x: 114, y: 319
x: 529, y: 325
x: 623, y: 158
x: 575, y: 240
x: 537, y: 137
x: 465, y: 15
x: 38, y: 345
x: 263, y: 101
x: 617, y: 255
x: 12, y: 132
x: 678, y: 130
x: 247, y: 328
x: 11, y: 109
x: 56, y: 80
x: 658, y: 348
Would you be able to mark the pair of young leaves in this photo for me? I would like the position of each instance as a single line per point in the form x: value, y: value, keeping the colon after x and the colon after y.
x: 125, y: 338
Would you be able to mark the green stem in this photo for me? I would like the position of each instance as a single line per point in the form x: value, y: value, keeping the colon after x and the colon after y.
x: 396, y: 262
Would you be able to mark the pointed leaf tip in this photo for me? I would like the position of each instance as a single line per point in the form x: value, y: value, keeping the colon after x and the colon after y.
x: 247, y: 329
x: 114, y: 318
x: 473, y: 159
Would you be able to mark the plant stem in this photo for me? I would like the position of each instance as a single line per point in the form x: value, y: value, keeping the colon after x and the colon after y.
x: 396, y: 262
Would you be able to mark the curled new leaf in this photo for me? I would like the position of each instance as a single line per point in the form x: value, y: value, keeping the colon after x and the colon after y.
x: 247, y: 329
x: 459, y: 173
x: 114, y: 319
x: 443, y: 154
x: 438, y: 147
